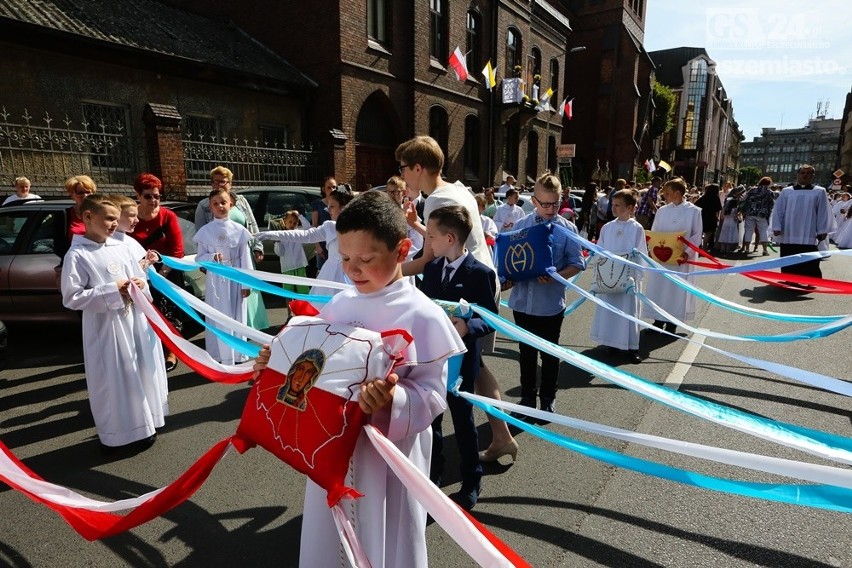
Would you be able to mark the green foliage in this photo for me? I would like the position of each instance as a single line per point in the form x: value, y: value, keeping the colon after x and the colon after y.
x: 664, y: 103
x: 749, y: 175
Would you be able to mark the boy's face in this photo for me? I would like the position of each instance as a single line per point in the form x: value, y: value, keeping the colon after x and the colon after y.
x: 101, y: 224
x: 220, y: 204
x: 22, y: 189
x: 368, y: 262
x: 129, y: 218
x: 441, y: 242
x: 397, y: 193
x: 512, y: 200
x: 546, y: 202
x: 620, y: 210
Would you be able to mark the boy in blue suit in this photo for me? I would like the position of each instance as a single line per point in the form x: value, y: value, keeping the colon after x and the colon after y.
x: 453, y: 275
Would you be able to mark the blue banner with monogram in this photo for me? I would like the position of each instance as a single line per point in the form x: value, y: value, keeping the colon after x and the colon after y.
x: 524, y: 254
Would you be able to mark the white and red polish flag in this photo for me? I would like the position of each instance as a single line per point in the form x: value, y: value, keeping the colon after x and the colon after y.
x: 459, y: 64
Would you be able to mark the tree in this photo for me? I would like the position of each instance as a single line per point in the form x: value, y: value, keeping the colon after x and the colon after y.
x: 749, y: 175
x: 664, y: 109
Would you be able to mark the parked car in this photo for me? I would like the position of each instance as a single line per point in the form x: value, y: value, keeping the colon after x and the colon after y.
x: 4, y: 343
x: 270, y: 203
x: 28, y: 289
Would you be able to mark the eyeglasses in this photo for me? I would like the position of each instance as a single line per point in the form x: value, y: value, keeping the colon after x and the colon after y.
x: 151, y: 196
x: 546, y: 204
x: 402, y: 167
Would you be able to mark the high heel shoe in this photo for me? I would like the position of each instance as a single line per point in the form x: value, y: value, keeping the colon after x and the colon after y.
x: 493, y: 454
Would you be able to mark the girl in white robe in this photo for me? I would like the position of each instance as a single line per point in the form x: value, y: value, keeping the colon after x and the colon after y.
x: 331, y: 269
x: 225, y: 242
x: 621, y: 237
x: 125, y: 370
x: 678, y: 215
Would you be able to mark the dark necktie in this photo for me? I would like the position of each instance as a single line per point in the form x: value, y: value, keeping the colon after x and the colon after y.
x: 445, y: 283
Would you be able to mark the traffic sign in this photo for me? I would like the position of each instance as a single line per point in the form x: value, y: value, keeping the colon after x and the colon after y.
x: 839, y: 173
x: 836, y: 184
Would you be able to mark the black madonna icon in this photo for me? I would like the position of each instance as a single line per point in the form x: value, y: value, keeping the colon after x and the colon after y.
x: 302, y: 375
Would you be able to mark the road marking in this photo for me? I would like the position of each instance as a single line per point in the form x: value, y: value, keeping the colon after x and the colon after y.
x: 685, y: 361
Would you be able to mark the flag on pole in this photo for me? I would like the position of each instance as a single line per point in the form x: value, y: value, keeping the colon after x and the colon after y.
x: 459, y: 64
x: 490, y: 76
x: 567, y: 108
x: 545, y: 100
x: 665, y: 166
x: 649, y: 165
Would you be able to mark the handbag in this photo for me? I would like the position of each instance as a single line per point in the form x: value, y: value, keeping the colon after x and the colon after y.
x: 610, y: 276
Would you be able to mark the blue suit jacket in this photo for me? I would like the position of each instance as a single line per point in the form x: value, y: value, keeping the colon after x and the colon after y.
x: 474, y: 282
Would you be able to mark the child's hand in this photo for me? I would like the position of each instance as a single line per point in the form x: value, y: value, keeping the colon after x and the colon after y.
x: 123, y: 286
x: 544, y: 279
x: 377, y: 394
x: 246, y: 293
x: 258, y: 255
x: 506, y: 285
x: 218, y: 257
x: 411, y: 213
x: 261, y: 361
x: 138, y: 282
x: 460, y: 325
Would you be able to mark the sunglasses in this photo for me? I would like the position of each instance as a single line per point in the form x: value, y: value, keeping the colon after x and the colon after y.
x: 151, y: 196
x: 83, y: 193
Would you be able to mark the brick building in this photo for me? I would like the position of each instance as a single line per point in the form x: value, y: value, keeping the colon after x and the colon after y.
x: 112, y: 88
x: 382, y: 72
x: 844, y: 145
x: 610, y: 81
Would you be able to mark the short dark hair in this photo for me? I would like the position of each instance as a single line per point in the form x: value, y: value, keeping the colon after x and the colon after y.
x: 342, y: 195
x: 628, y: 196
x: 511, y: 191
x: 376, y: 213
x: 453, y: 219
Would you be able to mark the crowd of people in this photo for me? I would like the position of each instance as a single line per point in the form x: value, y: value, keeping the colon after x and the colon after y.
x: 421, y: 232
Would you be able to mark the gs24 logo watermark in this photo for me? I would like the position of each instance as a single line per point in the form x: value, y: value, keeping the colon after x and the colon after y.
x: 755, y: 28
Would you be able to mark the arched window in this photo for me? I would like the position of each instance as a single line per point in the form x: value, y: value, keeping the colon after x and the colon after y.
x: 533, y: 69
x: 474, y: 40
x: 438, y: 30
x: 554, y: 80
x: 471, y: 147
x: 552, y: 165
x: 531, y: 166
x: 438, y: 128
x: 513, y: 51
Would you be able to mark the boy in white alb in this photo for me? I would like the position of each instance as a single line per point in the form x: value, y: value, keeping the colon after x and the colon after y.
x: 509, y: 213
x: 621, y: 236
x: 391, y: 525
x: 125, y: 371
x: 226, y: 242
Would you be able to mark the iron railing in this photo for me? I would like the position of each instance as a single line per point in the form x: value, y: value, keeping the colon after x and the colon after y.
x: 48, y: 151
x: 252, y: 162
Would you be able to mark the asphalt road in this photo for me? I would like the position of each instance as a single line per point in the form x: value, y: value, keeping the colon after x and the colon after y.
x: 554, y: 507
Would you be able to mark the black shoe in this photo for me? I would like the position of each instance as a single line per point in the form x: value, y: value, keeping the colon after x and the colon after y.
x: 170, y: 366
x: 670, y: 327
x: 659, y: 324
x: 466, y: 497
x: 547, y: 405
x: 633, y: 356
x: 528, y: 402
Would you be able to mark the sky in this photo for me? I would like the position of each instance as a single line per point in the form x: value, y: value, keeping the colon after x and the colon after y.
x: 777, y: 59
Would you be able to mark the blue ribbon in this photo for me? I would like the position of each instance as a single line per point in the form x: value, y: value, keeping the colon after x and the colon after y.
x: 235, y: 343
x: 818, y: 496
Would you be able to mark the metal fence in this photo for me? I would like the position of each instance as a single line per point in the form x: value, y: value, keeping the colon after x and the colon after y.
x: 251, y: 162
x: 48, y: 151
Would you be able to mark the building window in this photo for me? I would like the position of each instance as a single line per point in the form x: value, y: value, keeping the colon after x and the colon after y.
x: 554, y: 79
x: 200, y: 128
x: 513, y: 51
x: 278, y: 136
x: 377, y: 20
x: 108, y: 140
x: 533, y: 69
x: 438, y: 128
x: 531, y: 167
x: 511, y: 141
x: 471, y: 147
x: 696, y: 92
x: 438, y: 30
x: 474, y: 40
